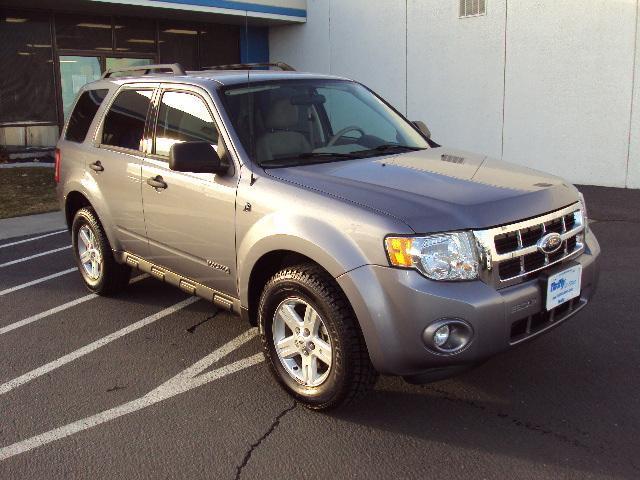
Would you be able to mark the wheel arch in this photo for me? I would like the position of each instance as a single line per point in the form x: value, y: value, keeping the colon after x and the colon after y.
x: 74, y: 201
x: 263, y: 269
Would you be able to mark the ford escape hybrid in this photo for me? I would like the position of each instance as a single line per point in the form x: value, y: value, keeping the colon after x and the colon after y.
x: 312, y: 208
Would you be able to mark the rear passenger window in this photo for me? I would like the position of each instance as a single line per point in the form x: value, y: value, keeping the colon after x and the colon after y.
x: 183, y: 117
x: 124, y: 124
x: 83, y: 114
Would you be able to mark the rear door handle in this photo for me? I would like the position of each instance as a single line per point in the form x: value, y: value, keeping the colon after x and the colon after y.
x: 96, y: 166
x: 157, y: 182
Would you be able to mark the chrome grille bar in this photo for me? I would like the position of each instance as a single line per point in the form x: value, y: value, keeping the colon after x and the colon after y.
x: 506, y: 267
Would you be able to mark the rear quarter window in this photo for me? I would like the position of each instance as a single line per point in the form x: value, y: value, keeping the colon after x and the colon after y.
x: 83, y: 114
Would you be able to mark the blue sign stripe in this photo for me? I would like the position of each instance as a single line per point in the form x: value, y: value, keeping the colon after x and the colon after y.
x: 232, y: 4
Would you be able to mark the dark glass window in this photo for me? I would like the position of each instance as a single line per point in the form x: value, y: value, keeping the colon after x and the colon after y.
x: 124, y: 124
x: 135, y: 35
x: 84, y: 32
x: 179, y: 43
x: 83, y: 114
x: 183, y: 117
x: 219, y: 45
x: 27, y: 89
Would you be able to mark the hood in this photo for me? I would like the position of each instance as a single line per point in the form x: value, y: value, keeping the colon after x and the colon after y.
x: 438, y: 189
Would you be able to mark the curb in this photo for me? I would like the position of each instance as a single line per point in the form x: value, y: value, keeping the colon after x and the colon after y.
x: 31, y: 224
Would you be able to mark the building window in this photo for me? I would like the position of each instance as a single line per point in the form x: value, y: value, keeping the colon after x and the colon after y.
x: 179, y: 44
x: 27, y: 89
x: 219, y: 45
x: 82, y: 32
x: 135, y: 35
x: 472, y: 8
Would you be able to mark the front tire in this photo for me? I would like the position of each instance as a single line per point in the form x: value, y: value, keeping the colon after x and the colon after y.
x: 99, y: 269
x: 311, y: 339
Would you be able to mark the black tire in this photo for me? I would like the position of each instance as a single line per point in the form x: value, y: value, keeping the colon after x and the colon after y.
x: 351, y: 374
x: 113, y: 277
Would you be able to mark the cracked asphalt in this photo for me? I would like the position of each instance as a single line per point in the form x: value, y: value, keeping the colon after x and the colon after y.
x: 566, y: 405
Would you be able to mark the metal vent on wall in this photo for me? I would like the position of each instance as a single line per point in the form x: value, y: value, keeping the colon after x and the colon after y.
x: 472, y: 8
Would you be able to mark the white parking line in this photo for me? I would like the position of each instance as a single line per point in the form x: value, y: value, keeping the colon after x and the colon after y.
x: 37, y: 281
x: 101, y: 342
x: 60, y: 308
x: 41, y: 254
x: 179, y: 384
x: 32, y: 239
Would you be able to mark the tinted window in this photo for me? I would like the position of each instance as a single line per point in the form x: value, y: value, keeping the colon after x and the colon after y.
x: 83, y: 114
x: 179, y: 43
x: 124, y: 124
x: 183, y: 117
x: 87, y: 32
x: 27, y: 91
x: 135, y: 34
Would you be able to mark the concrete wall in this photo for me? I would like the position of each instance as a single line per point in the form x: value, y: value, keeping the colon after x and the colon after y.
x: 633, y: 176
x: 543, y: 83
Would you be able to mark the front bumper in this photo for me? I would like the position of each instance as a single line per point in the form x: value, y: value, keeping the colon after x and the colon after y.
x: 394, y: 307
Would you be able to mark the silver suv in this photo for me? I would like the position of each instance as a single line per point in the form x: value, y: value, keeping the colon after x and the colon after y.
x: 313, y: 209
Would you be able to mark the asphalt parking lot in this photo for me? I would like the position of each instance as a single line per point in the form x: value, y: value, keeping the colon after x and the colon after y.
x: 155, y: 384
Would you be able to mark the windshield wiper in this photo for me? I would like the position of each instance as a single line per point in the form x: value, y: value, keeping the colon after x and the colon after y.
x: 293, y: 161
x: 390, y: 146
x: 327, y: 154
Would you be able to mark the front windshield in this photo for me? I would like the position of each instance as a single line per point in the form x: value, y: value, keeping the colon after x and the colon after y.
x: 301, y: 122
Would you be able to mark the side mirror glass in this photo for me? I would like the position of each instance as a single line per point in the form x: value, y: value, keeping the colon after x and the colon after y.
x: 423, y: 128
x: 195, y: 157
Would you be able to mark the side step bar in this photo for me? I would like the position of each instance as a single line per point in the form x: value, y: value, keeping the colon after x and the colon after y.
x: 221, y: 300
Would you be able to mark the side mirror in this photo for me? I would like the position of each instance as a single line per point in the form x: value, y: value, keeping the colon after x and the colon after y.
x: 195, y: 157
x: 423, y: 128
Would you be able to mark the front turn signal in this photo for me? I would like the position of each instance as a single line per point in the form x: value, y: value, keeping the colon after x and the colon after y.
x: 398, y: 251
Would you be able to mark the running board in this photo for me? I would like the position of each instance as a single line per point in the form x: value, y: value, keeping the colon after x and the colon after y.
x: 185, y: 284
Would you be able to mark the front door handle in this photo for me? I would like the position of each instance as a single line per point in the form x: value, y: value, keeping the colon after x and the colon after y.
x: 157, y: 182
x: 97, y: 166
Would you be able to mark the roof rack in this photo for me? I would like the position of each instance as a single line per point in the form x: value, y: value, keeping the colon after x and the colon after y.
x: 251, y: 66
x: 174, y: 68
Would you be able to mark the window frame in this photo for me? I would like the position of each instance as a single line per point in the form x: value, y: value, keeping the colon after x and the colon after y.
x: 153, y: 87
x: 153, y: 130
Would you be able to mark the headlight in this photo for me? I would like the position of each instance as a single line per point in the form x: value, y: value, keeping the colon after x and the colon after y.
x: 443, y: 256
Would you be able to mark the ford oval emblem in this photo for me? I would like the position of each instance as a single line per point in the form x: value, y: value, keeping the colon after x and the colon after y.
x: 550, y: 243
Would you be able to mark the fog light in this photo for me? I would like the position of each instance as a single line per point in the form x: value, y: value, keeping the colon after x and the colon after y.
x: 441, y: 336
x: 448, y: 336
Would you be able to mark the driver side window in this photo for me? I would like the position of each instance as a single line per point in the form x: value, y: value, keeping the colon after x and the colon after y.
x: 344, y: 110
x: 183, y: 117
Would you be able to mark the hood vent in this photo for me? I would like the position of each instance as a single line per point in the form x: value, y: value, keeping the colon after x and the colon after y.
x: 472, y: 8
x: 451, y: 158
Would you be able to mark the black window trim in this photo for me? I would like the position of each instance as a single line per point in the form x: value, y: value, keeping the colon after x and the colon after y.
x: 114, y: 148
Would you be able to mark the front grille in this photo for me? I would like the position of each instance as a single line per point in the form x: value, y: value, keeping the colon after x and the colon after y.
x: 511, y: 252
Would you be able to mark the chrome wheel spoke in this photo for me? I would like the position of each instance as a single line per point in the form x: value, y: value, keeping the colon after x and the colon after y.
x: 322, y: 350
x: 311, y: 320
x: 287, y: 347
x: 302, y: 345
x: 309, y: 369
x: 95, y: 269
x: 290, y: 317
x: 84, y: 236
x: 85, y: 256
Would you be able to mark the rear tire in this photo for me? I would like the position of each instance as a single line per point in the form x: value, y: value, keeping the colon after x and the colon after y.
x: 99, y: 269
x: 303, y: 296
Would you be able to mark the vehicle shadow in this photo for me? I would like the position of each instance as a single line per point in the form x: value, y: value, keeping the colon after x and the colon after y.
x: 549, y: 412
